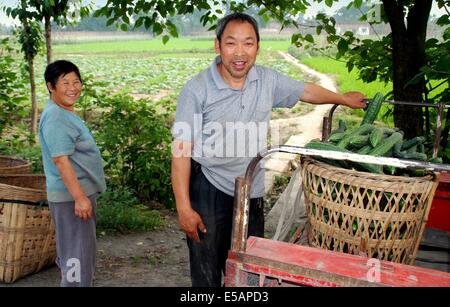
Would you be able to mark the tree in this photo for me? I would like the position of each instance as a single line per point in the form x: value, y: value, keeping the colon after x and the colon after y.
x: 155, y: 15
x: 397, y: 57
x: 12, y: 88
x: 59, y: 10
x: 89, y: 23
x: 351, y: 14
x: 30, y: 38
x: 30, y: 35
x: 400, y: 56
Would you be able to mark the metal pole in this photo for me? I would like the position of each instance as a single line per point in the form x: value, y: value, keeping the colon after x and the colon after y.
x: 325, y: 127
x: 240, y: 223
x: 437, y: 138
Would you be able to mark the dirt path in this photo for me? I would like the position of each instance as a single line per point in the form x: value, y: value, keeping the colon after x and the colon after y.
x: 310, y: 124
x: 300, y: 129
x: 148, y: 259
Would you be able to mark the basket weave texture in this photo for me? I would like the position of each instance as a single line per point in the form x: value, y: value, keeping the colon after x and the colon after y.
x: 10, y: 165
x: 378, y: 216
x: 27, y: 234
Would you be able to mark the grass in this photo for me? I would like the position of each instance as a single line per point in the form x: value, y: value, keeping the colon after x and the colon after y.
x: 120, y: 211
x: 349, y: 81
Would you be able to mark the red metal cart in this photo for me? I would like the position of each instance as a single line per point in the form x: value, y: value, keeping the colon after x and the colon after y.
x: 262, y: 262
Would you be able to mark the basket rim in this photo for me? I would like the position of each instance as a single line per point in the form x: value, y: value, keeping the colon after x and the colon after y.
x: 25, y: 163
x: 430, y: 176
x: 4, y: 185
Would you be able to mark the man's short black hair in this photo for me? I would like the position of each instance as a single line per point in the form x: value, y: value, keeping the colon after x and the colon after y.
x: 58, y: 69
x: 222, y: 24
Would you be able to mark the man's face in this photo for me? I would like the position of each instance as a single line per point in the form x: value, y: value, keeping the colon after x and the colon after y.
x: 238, y: 49
x: 67, y: 90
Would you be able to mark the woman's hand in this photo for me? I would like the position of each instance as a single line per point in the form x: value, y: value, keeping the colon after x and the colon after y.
x: 83, y: 208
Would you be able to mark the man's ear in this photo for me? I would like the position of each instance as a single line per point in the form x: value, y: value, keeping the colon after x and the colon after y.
x: 217, y: 45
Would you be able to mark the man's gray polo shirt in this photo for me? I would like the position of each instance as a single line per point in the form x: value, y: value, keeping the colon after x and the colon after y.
x: 229, y: 126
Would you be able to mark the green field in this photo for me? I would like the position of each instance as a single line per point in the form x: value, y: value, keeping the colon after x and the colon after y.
x: 174, y: 45
x: 349, y: 81
x: 345, y: 80
x: 148, y: 67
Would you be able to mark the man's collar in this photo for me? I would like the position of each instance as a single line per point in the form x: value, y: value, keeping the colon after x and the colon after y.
x: 221, y: 84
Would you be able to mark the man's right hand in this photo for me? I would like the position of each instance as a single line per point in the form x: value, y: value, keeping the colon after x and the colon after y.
x: 190, y: 222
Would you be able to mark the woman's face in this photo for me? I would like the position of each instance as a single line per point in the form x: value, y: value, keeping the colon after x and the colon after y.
x: 67, y: 90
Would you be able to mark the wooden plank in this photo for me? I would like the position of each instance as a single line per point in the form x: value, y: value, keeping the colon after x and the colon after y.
x: 433, y: 256
x: 436, y: 238
x: 443, y: 267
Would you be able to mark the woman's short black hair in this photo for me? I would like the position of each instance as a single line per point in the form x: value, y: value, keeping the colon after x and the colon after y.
x: 58, y: 69
x: 222, y: 24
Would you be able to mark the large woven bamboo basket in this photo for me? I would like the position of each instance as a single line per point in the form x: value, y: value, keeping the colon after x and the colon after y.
x: 27, y: 234
x: 378, y: 216
x: 10, y: 165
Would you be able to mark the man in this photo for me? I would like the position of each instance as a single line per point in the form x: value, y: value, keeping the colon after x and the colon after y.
x: 221, y: 122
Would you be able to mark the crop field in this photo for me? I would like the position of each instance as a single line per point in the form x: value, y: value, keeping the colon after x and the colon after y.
x: 149, y: 67
x: 174, y: 45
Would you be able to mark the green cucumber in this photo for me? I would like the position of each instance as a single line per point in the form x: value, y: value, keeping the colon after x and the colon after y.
x: 414, y: 141
x: 331, y: 147
x: 358, y: 141
x: 373, y: 109
x: 412, y: 149
x: 376, y: 136
x: 387, y: 145
x: 336, y: 137
x: 413, y: 156
x: 365, y: 150
x: 364, y: 129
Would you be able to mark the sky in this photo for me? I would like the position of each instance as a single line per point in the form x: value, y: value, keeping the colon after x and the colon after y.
x: 312, y: 11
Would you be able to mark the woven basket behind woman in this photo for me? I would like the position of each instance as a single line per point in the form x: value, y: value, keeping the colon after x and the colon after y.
x: 378, y: 216
x: 10, y: 165
x: 27, y: 234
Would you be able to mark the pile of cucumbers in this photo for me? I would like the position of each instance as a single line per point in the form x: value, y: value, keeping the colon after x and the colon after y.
x: 367, y: 139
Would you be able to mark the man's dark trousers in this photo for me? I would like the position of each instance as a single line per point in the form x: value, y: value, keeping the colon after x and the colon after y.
x: 207, y: 257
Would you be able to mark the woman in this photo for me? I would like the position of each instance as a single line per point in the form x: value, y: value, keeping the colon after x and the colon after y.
x: 74, y: 175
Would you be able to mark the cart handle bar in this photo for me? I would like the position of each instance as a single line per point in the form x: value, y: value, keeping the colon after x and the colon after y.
x: 336, y: 155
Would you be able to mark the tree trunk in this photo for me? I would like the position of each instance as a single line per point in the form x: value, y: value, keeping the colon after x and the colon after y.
x: 30, y: 63
x: 408, y: 57
x: 34, y: 109
x: 48, y: 39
